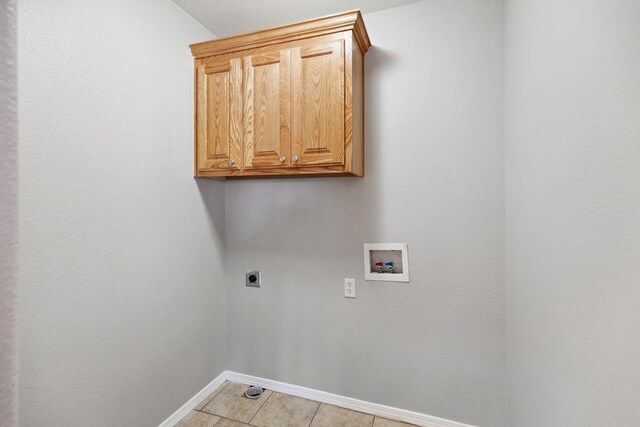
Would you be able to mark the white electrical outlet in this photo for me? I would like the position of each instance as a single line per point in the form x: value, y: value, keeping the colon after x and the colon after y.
x: 350, y: 288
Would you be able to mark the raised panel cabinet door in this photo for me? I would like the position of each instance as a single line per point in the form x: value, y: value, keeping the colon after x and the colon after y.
x: 267, y: 133
x: 317, y: 96
x: 219, y: 115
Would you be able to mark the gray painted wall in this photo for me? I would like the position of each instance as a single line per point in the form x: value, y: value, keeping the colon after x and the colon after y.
x: 121, y: 311
x: 121, y: 278
x: 434, y: 179
x: 8, y: 210
x: 573, y: 212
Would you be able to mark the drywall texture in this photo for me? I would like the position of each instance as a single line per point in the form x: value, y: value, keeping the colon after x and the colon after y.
x: 435, y: 151
x: 573, y: 212
x: 227, y: 17
x: 8, y: 202
x: 121, y: 312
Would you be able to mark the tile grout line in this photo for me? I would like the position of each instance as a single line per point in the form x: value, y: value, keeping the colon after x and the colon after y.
x: 373, y: 422
x: 203, y: 412
x: 228, y: 383
x: 225, y: 418
x: 315, y: 413
x: 264, y: 403
x: 209, y: 413
x: 219, y: 390
x: 347, y: 409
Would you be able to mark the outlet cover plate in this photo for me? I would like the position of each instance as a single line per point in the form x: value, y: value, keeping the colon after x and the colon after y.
x: 253, y: 279
x: 350, y: 288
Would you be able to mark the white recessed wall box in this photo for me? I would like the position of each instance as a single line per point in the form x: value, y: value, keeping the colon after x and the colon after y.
x: 386, y: 261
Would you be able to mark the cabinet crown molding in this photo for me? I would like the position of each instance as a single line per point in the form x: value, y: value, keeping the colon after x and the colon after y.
x: 344, y: 21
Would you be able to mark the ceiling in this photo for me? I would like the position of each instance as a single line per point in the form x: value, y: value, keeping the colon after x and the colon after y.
x: 229, y: 17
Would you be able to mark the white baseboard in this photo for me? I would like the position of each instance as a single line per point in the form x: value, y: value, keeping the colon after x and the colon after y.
x: 317, y: 395
x: 184, y: 410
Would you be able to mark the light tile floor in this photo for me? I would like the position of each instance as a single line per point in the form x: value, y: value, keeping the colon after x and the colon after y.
x: 227, y: 407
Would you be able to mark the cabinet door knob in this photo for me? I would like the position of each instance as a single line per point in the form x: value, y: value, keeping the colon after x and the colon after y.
x: 283, y: 158
x: 232, y: 162
x: 296, y: 158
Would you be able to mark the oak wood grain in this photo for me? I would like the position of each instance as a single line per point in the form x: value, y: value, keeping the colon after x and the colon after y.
x: 318, y: 103
x: 270, y: 98
x: 348, y: 104
x: 336, y: 23
x: 218, y: 115
x: 357, y: 112
x: 266, y: 109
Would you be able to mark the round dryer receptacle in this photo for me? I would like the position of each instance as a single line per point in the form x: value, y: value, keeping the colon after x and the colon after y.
x: 253, y: 279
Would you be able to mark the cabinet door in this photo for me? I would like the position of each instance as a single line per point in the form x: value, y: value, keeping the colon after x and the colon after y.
x: 317, y: 86
x: 267, y: 137
x: 219, y: 114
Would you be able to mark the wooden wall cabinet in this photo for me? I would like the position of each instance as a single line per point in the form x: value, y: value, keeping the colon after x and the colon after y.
x: 281, y: 102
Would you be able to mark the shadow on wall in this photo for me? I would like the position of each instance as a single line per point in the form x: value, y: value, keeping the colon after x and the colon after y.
x: 212, y: 194
x: 308, y: 213
x: 305, y: 235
